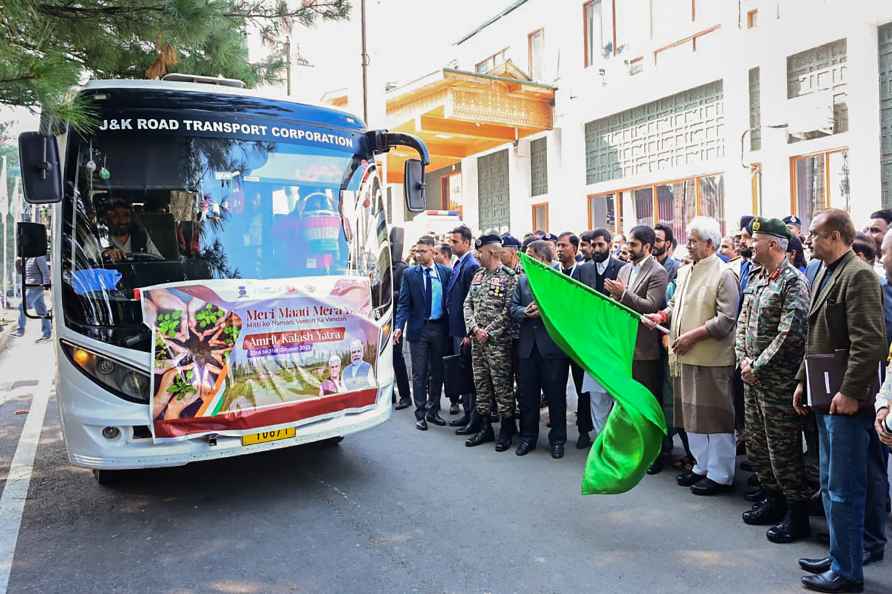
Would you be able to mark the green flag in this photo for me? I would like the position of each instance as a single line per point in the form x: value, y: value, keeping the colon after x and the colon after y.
x: 599, y: 334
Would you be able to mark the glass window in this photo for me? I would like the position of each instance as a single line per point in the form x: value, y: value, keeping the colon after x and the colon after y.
x: 644, y: 206
x: 677, y: 204
x: 539, y: 167
x: 455, y: 192
x: 537, y: 54
x: 598, y: 41
x: 540, y: 217
x: 602, y: 212
x: 838, y: 188
x: 809, y: 187
x: 712, y: 198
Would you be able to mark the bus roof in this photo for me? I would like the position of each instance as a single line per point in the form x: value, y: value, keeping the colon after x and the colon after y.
x: 186, y: 92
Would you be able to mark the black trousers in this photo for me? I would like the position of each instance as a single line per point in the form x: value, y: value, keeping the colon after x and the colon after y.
x: 400, y: 372
x: 427, y: 368
x: 538, y: 374
x: 583, y: 401
x: 467, y: 400
x: 876, y: 509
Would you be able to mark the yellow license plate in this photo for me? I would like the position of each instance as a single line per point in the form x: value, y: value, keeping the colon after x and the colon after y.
x: 267, y: 436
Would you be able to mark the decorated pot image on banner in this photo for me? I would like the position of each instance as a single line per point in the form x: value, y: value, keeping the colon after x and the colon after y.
x: 231, y: 358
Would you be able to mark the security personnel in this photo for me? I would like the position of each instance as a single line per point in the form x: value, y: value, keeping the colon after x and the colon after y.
x: 794, y: 226
x: 769, y: 345
x: 510, y: 246
x: 488, y: 323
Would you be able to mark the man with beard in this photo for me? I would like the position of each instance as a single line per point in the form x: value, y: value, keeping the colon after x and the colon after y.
x: 641, y: 286
x: 594, y: 404
x: 664, y: 246
x: 125, y: 235
x: 585, y: 245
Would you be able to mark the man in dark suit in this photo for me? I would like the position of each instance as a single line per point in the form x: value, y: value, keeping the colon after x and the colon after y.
x: 397, y: 268
x: 641, y: 285
x: 593, y: 408
x: 567, y: 248
x: 845, y: 313
x: 422, y: 306
x: 543, y: 366
x: 456, y: 290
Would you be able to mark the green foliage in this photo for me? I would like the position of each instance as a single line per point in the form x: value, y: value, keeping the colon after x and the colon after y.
x: 182, y: 386
x: 48, y: 46
x: 169, y: 323
x: 208, y: 316
x: 230, y: 334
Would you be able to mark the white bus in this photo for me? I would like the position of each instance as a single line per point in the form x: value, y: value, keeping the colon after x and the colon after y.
x: 221, y: 271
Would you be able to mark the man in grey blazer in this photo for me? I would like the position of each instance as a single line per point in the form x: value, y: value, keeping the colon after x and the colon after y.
x: 641, y: 285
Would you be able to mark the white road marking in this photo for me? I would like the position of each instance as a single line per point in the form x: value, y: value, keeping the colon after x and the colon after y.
x: 15, y: 493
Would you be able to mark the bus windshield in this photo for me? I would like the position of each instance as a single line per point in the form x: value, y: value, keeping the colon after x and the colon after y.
x: 150, y: 209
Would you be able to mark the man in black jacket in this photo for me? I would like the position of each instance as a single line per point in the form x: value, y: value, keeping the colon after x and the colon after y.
x: 543, y: 366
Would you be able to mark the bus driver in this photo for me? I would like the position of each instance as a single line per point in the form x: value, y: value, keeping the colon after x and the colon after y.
x: 126, y: 236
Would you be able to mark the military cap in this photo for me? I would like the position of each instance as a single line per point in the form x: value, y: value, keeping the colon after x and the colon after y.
x: 775, y: 227
x: 489, y: 239
x: 550, y: 237
x: 509, y: 241
x: 793, y: 220
x: 745, y: 221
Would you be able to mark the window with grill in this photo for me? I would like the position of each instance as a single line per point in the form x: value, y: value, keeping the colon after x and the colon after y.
x: 755, y: 110
x: 821, y: 69
x: 539, y: 167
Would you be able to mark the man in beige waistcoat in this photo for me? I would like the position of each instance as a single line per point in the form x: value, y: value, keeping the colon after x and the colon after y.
x: 703, y: 316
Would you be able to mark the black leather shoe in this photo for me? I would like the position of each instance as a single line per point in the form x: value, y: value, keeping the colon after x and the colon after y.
x: 583, y: 442
x: 436, y: 419
x: 421, y: 425
x: 873, y: 556
x: 794, y: 527
x: 815, y: 565
x: 707, y: 487
x: 686, y: 479
x: 453, y: 408
x: 656, y: 467
x: 507, y: 429
x: 403, y: 403
x: 557, y: 451
x: 483, y: 436
x: 831, y: 582
x: 524, y: 448
x: 768, y: 513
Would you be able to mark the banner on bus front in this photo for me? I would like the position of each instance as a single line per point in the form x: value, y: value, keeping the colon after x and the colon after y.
x: 233, y: 357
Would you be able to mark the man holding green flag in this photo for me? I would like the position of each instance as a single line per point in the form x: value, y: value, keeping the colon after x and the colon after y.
x: 603, y: 343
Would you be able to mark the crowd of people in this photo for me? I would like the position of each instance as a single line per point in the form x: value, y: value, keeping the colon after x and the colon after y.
x: 777, y: 349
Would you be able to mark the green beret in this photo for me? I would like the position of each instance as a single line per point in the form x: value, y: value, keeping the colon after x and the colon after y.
x: 775, y: 227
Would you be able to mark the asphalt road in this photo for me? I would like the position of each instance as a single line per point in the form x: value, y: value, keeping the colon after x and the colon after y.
x: 390, y: 510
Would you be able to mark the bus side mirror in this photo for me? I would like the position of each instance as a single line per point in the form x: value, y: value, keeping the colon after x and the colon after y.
x: 41, y: 170
x: 31, y: 240
x: 413, y: 184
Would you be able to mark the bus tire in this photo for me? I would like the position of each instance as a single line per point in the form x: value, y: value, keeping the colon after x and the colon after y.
x: 107, y: 478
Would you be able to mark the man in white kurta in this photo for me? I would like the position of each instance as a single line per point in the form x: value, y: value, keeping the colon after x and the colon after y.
x: 703, y: 316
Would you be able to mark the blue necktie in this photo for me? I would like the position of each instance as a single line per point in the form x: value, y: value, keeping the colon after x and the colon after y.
x: 428, y: 293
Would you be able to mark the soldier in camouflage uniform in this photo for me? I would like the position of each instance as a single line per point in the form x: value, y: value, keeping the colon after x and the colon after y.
x: 510, y: 246
x: 488, y: 324
x: 770, y: 344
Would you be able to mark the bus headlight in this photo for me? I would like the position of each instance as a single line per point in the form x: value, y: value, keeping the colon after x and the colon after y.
x: 118, y: 378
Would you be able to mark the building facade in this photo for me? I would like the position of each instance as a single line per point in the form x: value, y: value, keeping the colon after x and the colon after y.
x: 656, y: 111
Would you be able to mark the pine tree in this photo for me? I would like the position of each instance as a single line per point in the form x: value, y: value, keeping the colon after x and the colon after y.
x: 48, y: 46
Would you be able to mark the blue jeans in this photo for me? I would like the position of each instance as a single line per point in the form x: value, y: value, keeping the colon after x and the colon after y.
x: 34, y: 299
x: 844, y: 443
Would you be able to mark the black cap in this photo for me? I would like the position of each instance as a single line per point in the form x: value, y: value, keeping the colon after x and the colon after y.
x: 550, y: 237
x: 490, y: 239
x: 745, y: 221
x: 509, y: 241
x: 793, y: 220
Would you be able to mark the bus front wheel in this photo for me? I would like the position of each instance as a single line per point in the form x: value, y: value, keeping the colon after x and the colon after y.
x: 331, y: 441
